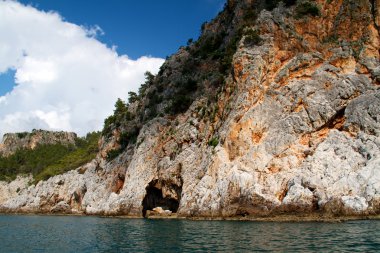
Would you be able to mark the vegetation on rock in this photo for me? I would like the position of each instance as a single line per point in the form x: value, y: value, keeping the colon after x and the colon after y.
x: 290, y: 104
x: 213, y: 142
x: 45, y: 161
x: 197, y: 70
x: 251, y: 37
x: 271, y: 4
x: 307, y: 8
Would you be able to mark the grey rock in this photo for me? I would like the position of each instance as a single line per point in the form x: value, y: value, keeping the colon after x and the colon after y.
x: 297, y: 130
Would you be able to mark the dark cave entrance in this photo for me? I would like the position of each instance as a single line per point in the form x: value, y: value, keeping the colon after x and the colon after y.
x: 154, y: 198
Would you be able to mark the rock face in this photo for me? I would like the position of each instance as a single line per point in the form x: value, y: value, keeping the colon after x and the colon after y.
x: 12, y: 189
x: 13, y: 141
x: 295, y: 129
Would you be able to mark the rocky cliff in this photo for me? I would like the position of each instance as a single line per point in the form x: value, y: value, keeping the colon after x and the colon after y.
x: 14, y: 141
x: 275, y: 109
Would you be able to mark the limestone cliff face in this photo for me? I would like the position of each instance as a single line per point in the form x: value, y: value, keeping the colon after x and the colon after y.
x: 294, y: 129
x: 13, y: 141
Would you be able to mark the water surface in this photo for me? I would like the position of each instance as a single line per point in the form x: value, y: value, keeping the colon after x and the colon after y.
x: 20, y: 233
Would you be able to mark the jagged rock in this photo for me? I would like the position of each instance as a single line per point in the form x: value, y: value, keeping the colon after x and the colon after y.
x: 14, y: 188
x: 294, y: 129
x: 355, y: 204
x: 61, y: 207
x: 299, y: 197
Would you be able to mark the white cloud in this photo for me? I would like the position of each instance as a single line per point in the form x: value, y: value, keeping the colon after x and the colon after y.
x: 66, y: 79
x: 94, y: 31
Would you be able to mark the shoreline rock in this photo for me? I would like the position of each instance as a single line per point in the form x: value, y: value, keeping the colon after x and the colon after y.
x: 275, y: 218
x: 295, y: 129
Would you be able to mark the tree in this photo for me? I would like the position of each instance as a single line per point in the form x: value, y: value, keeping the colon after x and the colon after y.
x: 132, y: 97
x: 148, y: 77
x: 120, y: 107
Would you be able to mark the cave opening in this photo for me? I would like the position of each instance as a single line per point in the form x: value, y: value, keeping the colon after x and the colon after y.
x: 154, y: 198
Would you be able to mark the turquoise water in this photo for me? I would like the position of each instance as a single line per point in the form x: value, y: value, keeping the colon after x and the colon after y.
x: 95, y: 234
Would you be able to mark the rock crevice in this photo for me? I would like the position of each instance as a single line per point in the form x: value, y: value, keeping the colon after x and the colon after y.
x: 287, y: 123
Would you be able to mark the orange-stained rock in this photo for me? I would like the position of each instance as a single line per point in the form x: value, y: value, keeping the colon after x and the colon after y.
x: 292, y: 127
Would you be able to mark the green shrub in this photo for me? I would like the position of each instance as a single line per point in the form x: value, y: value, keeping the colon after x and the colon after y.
x: 213, y: 142
x: 112, y: 154
x: 190, y: 85
x: 209, y: 45
x: 128, y: 137
x: 132, y: 97
x: 331, y: 39
x: 252, y: 37
x: 226, y: 61
x: 180, y: 103
x: 149, y: 78
x: 125, y: 138
x: 289, y: 2
x: 108, y: 123
x: 307, y: 8
x: 21, y: 135
x: 249, y: 16
x: 217, y: 80
x: 271, y: 4
x: 120, y: 114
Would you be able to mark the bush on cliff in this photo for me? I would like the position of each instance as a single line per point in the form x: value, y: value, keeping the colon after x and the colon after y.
x: 213, y: 142
x: 252, y: 37
x: 271, y: 4
x: 124, y: 140
x: 307, y: 8
x: 120, y: 114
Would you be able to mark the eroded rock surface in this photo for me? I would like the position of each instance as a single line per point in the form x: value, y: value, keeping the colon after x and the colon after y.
x: 296, y: 130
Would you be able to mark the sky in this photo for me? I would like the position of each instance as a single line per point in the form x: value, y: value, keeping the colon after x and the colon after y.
x: 64, y: 63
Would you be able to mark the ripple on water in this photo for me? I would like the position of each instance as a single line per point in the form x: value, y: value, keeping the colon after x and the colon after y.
x: 94, y: 234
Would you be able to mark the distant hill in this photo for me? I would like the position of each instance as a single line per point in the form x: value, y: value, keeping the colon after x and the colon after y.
x: 14, y: 141
x: 45, y: 153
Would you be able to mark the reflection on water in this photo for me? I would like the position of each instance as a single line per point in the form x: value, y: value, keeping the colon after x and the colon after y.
x: 94, y: 234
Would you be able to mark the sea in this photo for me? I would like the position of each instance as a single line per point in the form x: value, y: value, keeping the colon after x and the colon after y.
x: 34, y: 233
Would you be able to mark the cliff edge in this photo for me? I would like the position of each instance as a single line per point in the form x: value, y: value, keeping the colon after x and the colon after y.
x: 14, y: 141
x: 275, y: 109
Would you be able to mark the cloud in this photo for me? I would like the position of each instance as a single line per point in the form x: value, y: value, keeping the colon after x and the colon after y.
x: 66, y: 79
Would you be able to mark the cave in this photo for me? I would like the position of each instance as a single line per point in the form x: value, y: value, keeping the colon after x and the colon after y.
x: 154, y: 198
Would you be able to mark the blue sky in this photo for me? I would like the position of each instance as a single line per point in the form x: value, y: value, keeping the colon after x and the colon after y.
x: 57, y: 74
x: 142, y: 27
x: 136, y: 28
x: 6, y: 81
